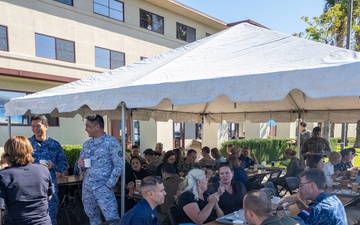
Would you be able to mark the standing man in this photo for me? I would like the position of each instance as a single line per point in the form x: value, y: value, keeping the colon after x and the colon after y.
x: 100, y: 177
x: 324, y: 208
x: 316, y: 144
x: 145, y: 213
x: 244, y: 158
x: 46, y: 148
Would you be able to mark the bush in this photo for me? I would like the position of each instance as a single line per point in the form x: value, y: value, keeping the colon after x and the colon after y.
x: 72, y: 153
x: 264, y: 149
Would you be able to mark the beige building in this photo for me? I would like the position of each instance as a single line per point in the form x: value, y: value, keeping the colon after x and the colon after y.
x: 46, y: 43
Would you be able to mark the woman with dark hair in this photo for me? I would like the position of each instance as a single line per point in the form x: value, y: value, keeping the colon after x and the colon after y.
x: 179, y: 155
x: 315, y: 161
x: 135, y: 173
x: 239, y: 173
x: 169, y: 157
x: 231, y: 192
x: 25, y: 188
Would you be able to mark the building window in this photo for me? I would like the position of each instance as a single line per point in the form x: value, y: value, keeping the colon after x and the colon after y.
x: 108, y: 59
x: 55, y: 48
x: 3, y: 39
x: 185, y: 33
x: 19, y: 120
x: 151, y: 21
x: 67, y: 2
x: 142, y: 58
x: 110, y: 8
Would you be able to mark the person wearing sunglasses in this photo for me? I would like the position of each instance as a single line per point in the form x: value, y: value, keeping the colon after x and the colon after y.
x: 324, y: 208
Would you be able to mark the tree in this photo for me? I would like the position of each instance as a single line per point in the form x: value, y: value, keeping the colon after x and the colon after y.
x: 331, y: 28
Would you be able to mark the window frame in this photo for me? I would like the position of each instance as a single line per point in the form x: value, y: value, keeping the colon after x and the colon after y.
x: 71, y: 2
x: 57, y: 51
x: 109, y: 9
x: 186, y: 34
x: 144, y: 23
x: 109, y: 58
x: 53, y: 121
x: 6, y: 38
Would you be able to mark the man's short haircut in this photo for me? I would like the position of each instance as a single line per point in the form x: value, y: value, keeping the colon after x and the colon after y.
x: 246, y: 147
x: 303, y: 124
x: 345, y: 152
x: 135, y: 146
x: 149, y: 151
x: 96, y: 119
x: 40, y: 117
x: 168, y: 168
x: 315, y: 175
x: 334, y: 156
x: 259, y: 202
x: 317, y: 129
x: 206, y: 149
x: 190, y: 151
x: 353, y: 151
x: 149, y: 183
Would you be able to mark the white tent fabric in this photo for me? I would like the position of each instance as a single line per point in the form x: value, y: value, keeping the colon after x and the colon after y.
x: 242, y: 73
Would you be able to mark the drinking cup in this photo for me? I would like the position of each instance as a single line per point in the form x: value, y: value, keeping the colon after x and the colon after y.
x: 255, y: 167
x: 354, y: 187
x: 87, y: 163
x: 137, y: 185
x: 238, y: 222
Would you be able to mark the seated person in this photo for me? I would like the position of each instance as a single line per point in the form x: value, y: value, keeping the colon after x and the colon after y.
x: 215, y: 153
x: 192, y: 204
x: 334, y: 159
x: 189, y: 163
x: 206, y: 161
x: 344, y: 165
x: 169, y: 157
x: 257, y: 210
x: 171, y: 183
x: 135, y: 151
x: 231, y: 192
x: 315, y: 161
x: 245, y: 159
x: 293, y: 169
x: 152, y: 161
x: 239, y: 173
x: 135, y: 173
x: 324, y: 208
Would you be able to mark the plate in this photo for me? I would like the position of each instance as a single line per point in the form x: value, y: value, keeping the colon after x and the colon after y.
x: 229, y: 218
x: 345, y: 192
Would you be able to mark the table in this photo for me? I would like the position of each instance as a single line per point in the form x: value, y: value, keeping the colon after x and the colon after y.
x: 69, y: 180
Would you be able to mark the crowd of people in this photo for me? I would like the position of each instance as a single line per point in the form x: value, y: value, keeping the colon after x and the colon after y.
x: 199, y: 191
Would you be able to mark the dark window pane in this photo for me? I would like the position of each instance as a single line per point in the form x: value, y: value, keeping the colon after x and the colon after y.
x: 185, y: 33
x: 65, y: 50
x: 45, y: 46
x: 102, y: 58
x: 3, y: 39
x: 158, y: 24
x: 117, y: 59
x: 67, y: 2
x: 191, y: 34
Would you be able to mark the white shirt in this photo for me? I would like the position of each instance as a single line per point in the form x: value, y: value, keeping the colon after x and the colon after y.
x: 328, y: 169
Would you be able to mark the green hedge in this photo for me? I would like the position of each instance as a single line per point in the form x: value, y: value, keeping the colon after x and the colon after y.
x: 72, y: 153
x: 267, y: 149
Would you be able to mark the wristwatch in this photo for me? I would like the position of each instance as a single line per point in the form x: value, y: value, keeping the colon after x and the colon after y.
x: 280, y: 207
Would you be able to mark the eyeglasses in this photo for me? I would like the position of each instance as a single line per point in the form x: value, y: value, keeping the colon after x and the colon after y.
x: 302, y: 184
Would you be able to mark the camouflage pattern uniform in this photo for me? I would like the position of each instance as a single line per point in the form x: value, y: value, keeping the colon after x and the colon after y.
x: 51, y: 150
x: 207, y: 161
x: 316, y: 145
x: 185, y: 167
x: 152, y: 165
x: 106, y: 166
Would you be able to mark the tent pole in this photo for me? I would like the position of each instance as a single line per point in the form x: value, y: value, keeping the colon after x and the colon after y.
x: 298, y: 136
x: 123, y: 143
x: 9, y: 125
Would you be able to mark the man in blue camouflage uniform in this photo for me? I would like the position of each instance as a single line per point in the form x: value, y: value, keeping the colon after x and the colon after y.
x: 324, y: 209
x: 46, y: 148
x: 105, y: 154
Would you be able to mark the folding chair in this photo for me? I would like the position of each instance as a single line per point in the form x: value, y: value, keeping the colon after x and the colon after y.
x: 292, y: 183
x: 256, y: 181
x: 172, y: 215
x: 269, y: 191
x: 270, y: 185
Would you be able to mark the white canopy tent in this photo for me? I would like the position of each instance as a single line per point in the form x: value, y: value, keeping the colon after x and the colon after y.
x: 243, y: 73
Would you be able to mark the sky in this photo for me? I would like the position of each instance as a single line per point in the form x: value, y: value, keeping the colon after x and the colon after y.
x: 279, y: 15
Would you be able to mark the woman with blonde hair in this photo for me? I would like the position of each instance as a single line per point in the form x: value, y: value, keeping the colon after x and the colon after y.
x: 193, y: 206
x: 25, y: 188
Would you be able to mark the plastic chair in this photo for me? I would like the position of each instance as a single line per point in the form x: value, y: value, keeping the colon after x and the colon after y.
x: 172, y: 215
x: 269, y: 191
x: 256, y: 181
x: 292, y: 183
